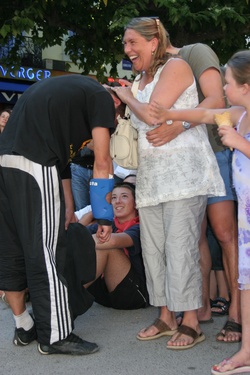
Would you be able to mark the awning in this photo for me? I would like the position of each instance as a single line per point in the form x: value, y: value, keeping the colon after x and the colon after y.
x: 13, y: 86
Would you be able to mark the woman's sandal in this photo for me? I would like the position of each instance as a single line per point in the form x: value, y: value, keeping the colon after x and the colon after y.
x: 188, y: 331
x: 237, y: 368
x: 163, y: 330
x: 222, y: 306
x: 229, y: 327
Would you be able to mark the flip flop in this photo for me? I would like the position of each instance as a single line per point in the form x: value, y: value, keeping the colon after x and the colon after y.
x: 185, y: 330
x: 239, y: 369
x: 163, y: 328
x: 229, y: 327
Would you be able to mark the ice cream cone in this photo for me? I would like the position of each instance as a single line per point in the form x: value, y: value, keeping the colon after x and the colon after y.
x: 223, y: 119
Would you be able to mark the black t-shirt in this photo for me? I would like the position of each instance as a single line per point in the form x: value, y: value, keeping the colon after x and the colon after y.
x: 54, y: 116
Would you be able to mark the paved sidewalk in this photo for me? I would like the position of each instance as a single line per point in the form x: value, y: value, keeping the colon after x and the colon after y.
x: 120, y: 352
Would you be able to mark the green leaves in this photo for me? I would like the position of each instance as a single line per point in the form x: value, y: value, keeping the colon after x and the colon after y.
x: 95, y: 27
x: 5, y: 30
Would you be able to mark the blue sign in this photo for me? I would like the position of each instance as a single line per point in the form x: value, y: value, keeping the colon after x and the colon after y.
x: 10, y: 92
x: 9, y: 97
x: 13, y: 86
x: 29, y: 74
x: 126, y: 64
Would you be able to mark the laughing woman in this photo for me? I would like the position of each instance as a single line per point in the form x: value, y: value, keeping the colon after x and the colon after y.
x: 172, y: 185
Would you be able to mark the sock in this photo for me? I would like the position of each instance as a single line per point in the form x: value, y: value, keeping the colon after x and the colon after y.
x: 24, y: 321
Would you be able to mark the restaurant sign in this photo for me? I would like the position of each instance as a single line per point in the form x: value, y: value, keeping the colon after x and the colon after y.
x: 24, y: 73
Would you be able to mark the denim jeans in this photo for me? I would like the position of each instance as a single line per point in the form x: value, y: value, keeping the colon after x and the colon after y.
x: 224, y: 160
x: 80, y: 185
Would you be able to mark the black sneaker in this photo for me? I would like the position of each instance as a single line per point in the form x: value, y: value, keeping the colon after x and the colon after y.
x: 22, y: 337
x: 73, y: 345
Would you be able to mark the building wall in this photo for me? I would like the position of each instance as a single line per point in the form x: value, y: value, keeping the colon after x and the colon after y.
x: 57, y: 53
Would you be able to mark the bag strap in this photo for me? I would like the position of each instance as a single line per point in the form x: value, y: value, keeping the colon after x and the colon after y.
x: 134, y: 89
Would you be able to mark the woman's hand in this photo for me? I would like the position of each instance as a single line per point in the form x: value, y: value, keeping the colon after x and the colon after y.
x: 125, y: 82
x: 124, y: 93
x: 158, y: 113
x: 103, y: 233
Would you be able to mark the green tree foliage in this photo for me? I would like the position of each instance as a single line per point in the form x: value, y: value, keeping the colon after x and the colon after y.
x: 96, y: 26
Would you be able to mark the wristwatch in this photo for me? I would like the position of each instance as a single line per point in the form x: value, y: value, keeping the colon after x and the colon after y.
x: 186, y: 125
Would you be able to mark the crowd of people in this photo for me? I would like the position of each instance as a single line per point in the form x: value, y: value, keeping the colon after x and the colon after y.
x: 136, y: 240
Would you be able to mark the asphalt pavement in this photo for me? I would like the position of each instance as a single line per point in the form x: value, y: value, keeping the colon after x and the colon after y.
x: 120, y: 352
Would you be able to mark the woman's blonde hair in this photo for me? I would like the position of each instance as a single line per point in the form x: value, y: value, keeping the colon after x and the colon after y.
x: 149, y: 28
